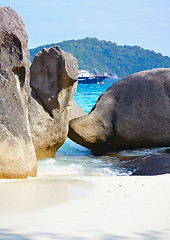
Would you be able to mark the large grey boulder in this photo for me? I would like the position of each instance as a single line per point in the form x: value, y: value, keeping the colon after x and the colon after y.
x: 54, y: 77
x: 17, y: 154
x: 132, y: 113
x: 152, y: 165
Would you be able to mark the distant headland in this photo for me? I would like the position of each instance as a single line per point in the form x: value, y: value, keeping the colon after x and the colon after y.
x: 106, y: 56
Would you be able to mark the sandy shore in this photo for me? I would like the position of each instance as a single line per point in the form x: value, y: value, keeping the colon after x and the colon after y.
x: 85, y: 208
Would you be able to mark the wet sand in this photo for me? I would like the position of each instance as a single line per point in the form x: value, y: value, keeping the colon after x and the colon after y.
x: 86, y: 208
x: 29, y: 195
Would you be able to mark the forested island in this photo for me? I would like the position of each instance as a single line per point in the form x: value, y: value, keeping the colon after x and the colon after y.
x: 106, y: 56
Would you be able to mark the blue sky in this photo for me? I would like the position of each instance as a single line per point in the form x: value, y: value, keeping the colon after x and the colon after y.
x: 145, y: 23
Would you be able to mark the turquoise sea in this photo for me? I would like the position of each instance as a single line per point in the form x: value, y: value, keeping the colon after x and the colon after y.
x: 73, y: 159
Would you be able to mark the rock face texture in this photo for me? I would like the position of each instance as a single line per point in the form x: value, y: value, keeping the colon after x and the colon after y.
x: 153, y: 165
x: 132, y: 113
x: 54, y: 77
x: 76, y: 111
x: 17, y: 154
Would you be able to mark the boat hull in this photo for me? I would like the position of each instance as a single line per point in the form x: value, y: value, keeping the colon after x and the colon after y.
x: 88, y: 80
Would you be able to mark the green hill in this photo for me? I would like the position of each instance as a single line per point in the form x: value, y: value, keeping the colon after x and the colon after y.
x: 109, y: 57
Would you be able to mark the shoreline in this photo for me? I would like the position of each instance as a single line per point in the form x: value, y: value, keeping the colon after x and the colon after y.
x: 120, y: 207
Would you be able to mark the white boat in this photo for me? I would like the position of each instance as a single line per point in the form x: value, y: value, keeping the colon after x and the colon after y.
x: 85, y: 77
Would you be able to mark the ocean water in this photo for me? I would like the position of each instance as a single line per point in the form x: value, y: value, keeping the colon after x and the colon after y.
x: 73, y: 159
x: 87, y: 94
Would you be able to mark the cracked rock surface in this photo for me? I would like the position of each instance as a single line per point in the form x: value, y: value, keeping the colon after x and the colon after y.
x: 54, y: 77
x: 17, y: 154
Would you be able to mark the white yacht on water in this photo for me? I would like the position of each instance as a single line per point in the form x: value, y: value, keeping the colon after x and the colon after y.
x: 85, y: 77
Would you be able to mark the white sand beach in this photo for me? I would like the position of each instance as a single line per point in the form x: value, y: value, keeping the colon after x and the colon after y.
x: 85, y: 208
